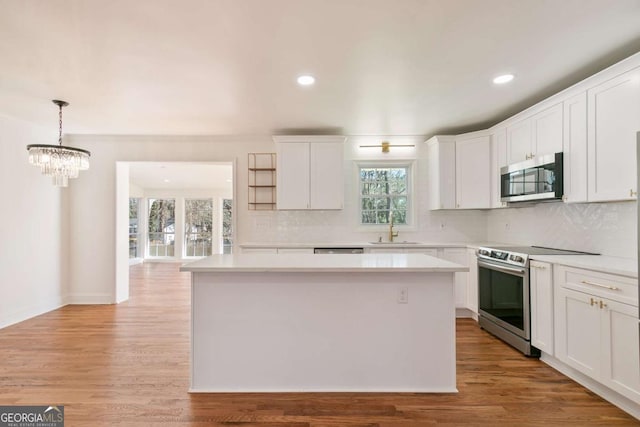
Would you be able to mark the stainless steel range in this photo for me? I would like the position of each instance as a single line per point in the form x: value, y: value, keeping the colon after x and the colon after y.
x: 503, y: 292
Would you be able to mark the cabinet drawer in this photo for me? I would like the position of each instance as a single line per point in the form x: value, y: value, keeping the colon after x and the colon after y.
x: 616, y: 288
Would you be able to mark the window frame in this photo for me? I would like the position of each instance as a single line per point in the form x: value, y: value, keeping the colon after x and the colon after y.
x: 412, y: 222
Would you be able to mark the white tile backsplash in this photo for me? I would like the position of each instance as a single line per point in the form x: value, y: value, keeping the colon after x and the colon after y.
x: 606, y: 228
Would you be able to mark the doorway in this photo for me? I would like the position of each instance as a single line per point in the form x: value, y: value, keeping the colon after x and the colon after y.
x: 172, y: 212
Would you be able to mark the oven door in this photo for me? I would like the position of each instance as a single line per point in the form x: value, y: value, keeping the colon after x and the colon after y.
x: 503, y: 296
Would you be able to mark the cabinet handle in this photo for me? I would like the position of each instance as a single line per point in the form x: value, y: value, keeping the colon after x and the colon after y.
x: 613, y: 288
x: 540, y: 267
x: 602, y: 304
x: 592, y: 301
x: 632, y: 193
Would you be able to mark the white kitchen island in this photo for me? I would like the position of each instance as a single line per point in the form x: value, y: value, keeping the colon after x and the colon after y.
x: 290, y: 323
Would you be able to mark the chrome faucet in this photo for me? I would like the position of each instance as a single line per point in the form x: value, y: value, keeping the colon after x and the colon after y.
x: 392, y: 233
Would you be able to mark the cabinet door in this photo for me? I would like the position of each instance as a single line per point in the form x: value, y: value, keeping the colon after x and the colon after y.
x: 498, y: 160
x: 472, y: 281
x: 473, y: 180
x: 385, y: 251
x: 282, y: 251
x: 326, y: 175
x: 621, y: 369
x: 547, y: 131
x: 441, y: 157
x: 613, y: 121
x: 292, y: 171
x: 427, y: 251
x: 519, y: 141
x: 459, y: 256
x: 578, y: 342
x: 541, y: 285
x: 259, y: 250
x: 575, y: 149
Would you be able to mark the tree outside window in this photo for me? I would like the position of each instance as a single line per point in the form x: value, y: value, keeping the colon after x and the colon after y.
x: 133, y: 227
x: 384, y: 190
x: 227, y: 226
x: 198, y: 227
x: 162, y: 219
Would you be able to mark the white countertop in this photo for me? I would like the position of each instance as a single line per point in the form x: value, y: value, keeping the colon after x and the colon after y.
x: 396, y: 244
x: 355, y: 263
x: 606, y: 264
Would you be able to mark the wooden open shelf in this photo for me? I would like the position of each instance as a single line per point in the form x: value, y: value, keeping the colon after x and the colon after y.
x: 262, y: 181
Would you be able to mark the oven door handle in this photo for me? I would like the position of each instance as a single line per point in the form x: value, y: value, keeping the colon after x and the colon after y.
x: 504, y: 269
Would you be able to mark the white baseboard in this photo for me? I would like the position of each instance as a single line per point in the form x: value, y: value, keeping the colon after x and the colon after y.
x: 462, y: 312
x: 24, y: 313
x: 601, y: 390
x: 82, y: 299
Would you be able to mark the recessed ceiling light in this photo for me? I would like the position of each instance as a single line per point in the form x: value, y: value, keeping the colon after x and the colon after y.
x: 228, y: 180
x: 166, y: 180
x: 306, y: 80
x: 505, y: 78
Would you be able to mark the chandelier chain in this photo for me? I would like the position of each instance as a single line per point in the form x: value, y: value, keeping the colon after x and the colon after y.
x: 60, y: 125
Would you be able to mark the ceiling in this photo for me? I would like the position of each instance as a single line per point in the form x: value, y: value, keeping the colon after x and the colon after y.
x: 228, y: 67
x: 182, y: 175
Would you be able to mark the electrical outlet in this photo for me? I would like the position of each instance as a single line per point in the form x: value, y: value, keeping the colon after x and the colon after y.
x: 403, y: 296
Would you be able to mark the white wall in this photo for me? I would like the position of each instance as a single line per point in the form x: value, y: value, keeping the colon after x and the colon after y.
x: 31, y: 226
x: 606, y: 228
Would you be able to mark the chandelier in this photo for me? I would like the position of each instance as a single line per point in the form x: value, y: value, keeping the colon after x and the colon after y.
x: 58, y: 161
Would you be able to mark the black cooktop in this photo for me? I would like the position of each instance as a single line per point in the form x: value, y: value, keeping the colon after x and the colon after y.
x: 538, y: 250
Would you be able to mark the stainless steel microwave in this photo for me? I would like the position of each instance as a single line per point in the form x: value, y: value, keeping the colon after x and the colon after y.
x: 539, y: 178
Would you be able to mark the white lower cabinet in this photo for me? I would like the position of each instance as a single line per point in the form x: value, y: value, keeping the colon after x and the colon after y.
x: 259, y: 250
x: 295, y: 250
x: 596, y: 333
x: 541, y: 291
x: 459, y: 256
x: 427, y: 251
x: 472, y: 281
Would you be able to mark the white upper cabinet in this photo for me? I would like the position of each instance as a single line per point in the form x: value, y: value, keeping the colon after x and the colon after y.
x: 459, y: 172
x: 473, y: 178
x: 613, y: 122
x: 326, y: 175
x: 310, y: 172
x: 292, y: 175
x: 498, y: 160
x: 547, y: 132
x: 519, y: 141
x: 537, y: 135
x: 575, y: 149
x: 441, y: 158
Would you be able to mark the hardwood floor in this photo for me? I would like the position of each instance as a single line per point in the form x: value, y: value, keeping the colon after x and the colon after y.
x: 128, y: 365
